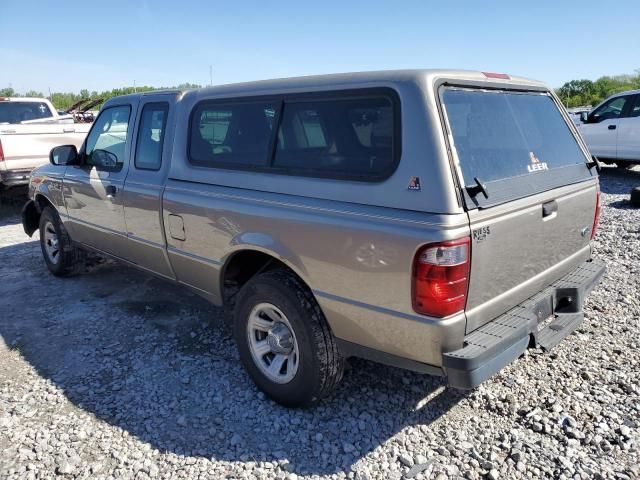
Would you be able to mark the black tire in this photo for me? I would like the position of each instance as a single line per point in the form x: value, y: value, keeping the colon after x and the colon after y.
x: 635, y: 197
x: 69, y: 259
x: 320, y: 365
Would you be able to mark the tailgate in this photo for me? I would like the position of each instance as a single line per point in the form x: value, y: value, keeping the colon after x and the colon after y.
x: 521, y: 247
x: 528, y: 191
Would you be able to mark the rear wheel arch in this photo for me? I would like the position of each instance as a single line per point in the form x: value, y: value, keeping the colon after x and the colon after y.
x: 242, y: 265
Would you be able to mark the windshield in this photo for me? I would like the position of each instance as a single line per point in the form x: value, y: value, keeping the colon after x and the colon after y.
x: 500, y: 135
x: 16, y: 112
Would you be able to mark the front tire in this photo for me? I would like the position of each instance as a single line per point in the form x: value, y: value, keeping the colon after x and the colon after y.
x: 284, y: 341
x: 60, y: 255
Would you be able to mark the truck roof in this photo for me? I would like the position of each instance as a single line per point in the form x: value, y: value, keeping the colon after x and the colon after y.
x: 23, y: 99
x: 341, y: 80
x: 626, y: 92
x: 353, y: 79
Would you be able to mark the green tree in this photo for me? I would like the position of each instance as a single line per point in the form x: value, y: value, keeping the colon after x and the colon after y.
x: 585, y: 92
x: 7, y: 92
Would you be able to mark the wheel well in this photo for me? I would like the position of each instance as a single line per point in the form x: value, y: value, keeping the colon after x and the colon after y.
x: 243, y: 266
x: 42, y: 201
x: 32, y: 212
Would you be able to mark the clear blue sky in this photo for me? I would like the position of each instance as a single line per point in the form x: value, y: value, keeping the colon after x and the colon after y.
x: 69, y: 45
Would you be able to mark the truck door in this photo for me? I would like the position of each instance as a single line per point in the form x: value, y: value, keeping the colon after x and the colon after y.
x: 601, y: 130
x: 93, y: 191
x: 145, y: 183
x: 629, y: 132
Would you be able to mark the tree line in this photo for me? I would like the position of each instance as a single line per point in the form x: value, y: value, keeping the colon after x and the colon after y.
x: 573, y: 94
x: 578, y: 93
x: 64, y: 100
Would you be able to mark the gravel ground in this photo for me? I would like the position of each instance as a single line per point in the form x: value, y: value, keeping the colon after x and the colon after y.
x: 113, y: 374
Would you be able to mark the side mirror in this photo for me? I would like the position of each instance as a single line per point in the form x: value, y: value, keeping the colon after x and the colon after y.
x: 104, y: 159
x: 584, y: 117
x: 63, y: 155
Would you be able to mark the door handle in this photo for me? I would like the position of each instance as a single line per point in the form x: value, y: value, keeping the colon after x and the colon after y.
x: 549, y: 208
x: 68, y: 130
x: 611, y: 127
x: 111, y: 191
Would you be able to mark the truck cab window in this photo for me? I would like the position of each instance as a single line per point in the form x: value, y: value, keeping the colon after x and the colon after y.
x: 611, y: 109
x: 151, y: 136
x: 635, y: 109
x: 107, y: 138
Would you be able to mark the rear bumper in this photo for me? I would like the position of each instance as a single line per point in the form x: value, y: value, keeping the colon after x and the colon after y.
x: 497, y: 343
x: 13, y: 178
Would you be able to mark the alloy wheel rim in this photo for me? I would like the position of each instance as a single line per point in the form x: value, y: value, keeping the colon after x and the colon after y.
x: 51, y: 243
x: 272, y: 343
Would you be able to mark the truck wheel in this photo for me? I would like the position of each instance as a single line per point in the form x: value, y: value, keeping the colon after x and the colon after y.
x: 61, y: 257
x: 635, y: 197
x: 284, y: 341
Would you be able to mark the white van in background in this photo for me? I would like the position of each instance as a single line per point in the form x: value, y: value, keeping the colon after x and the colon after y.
x: 612, y: 129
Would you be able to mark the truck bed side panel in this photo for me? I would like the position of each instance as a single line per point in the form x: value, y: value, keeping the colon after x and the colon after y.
x: 356, y: 259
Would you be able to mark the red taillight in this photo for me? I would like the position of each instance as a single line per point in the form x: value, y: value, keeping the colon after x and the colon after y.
x: 1, y: 152
x: 441, y: 277
x: 502, y: 76
x: 596, y: 217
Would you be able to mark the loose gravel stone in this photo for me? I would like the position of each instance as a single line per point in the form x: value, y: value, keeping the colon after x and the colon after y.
x: 405, y: 459
x: 112, y: 374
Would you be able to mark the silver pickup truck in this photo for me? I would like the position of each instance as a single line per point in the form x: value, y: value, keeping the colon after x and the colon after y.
x: 438, y: 221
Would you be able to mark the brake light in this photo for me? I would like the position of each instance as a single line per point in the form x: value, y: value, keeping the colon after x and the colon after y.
x: 1, y: 152
x: 441, y: 277
x: 596, y: 217
x: 502, y: 76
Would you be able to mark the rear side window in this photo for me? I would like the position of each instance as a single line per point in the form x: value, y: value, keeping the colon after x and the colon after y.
x: 231, y: 135
x: 352, y: 137
x: 501, y: 135
x: 350, y: 134
x: 16, y: 112
x: 635, y: 109
x: 151, y: 136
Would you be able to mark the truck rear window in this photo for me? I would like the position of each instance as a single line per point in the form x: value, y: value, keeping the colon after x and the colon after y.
x: 16, y: 112
x: 501, y: 135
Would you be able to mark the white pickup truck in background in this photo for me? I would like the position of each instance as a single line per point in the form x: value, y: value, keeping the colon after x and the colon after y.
x: 29, y: 129
x: 612, y: 129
